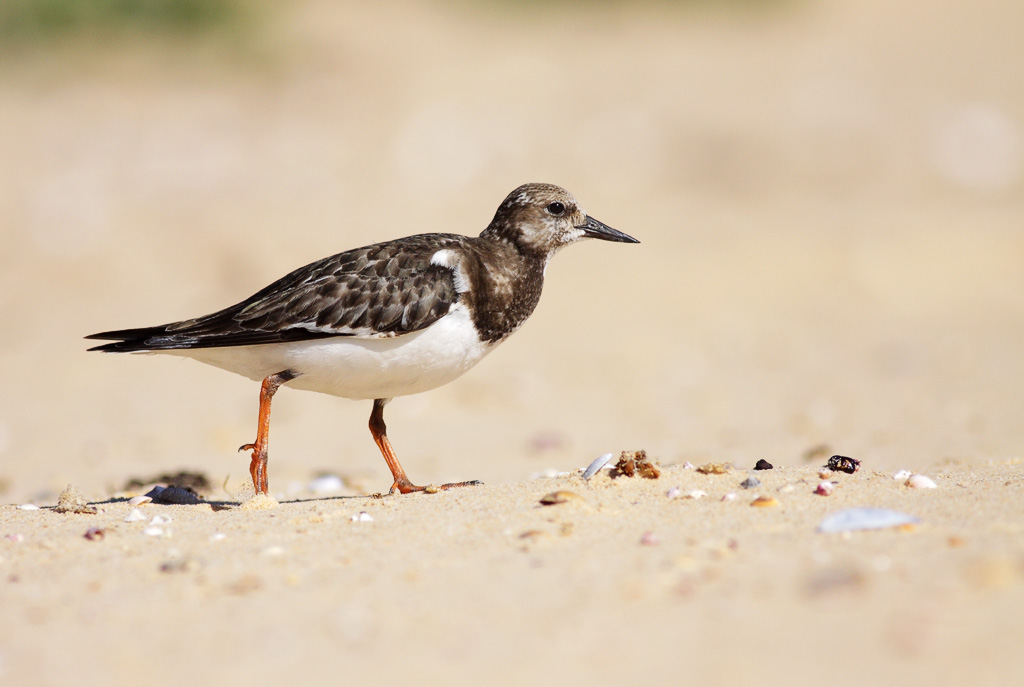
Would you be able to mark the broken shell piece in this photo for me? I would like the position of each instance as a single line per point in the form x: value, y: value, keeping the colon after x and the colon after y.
x: 764, y: 502
x: 160, y: 520
x: 902, y: 475
x: 28, y: 506
x: 139, y: 500
x: 599, y: 463
x: 687, y: 465
x: 920, y: 482
x: 750, y: 483
x: 326, y: 484
x: 153, y: 531
x: 650, y: 539
x: 175, y: 495
x: 865, y: 519
x: 731, y: 496
x: 134, y: 515
x: 674, y: 493
x: 825, y: 488
x: 362, y: 516
x: 696, y: 494
x: 557, y: 497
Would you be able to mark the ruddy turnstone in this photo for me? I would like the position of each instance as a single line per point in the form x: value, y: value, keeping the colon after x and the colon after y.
x: 391, y: 319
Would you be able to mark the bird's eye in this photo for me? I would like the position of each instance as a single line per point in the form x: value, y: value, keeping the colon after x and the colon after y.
x: 557, y: 209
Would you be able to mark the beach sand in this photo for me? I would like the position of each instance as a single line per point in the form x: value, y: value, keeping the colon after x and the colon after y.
x: 830, y: 200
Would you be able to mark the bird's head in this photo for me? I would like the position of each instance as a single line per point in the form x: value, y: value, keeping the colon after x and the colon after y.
x: 540, y: 219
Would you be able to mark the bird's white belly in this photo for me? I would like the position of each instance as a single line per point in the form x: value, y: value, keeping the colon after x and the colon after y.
x: 360, y: 368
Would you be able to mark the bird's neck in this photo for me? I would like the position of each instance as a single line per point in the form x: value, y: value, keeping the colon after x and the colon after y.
x: 505, y: 287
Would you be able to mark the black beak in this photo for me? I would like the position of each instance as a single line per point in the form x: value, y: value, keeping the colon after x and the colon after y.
x: 598, y: 230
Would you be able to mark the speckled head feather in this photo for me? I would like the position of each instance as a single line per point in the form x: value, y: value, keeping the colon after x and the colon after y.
x: 540, y: 219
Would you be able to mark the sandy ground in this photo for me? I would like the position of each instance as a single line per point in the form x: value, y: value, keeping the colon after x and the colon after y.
x: 830, y: 198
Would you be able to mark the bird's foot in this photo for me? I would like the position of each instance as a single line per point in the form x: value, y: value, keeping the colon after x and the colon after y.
x: 258, y: 467
x: 407, y: 487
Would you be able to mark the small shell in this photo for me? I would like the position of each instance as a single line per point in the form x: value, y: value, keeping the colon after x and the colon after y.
x: 687, y: 465
x: 674, y: 493
x: 764, y: 502
x: 731, y: 496
x: 696, y: 494
x: 865, y: 519
x: 902, y: 475
x: 825, y: 488
x: 326, y: 484
x: 362, y: 516
x: 599, y: 463
x: 153, y: 531
x: 650, y: 539
x: 134, y: 515
x: 557, y: 497
x: 139, y: 500
x: 920, y: 482
x: 28, y: 506
x: 750, y: 483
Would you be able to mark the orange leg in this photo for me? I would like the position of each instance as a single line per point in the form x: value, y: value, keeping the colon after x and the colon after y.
x: 380, y: 435
x: 258, y: 466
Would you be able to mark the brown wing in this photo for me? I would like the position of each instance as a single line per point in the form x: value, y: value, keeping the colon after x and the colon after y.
x: 383, y: 290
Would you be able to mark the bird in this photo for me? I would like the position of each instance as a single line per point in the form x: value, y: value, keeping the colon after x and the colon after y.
x: 390, y: 319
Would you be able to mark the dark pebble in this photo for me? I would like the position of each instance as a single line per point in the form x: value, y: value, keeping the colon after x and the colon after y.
x: 763, y: 465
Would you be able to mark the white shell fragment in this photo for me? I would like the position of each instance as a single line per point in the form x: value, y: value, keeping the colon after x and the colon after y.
x: 153, y: 531
x: 28, y: 506
x: 902, y: 475
x: 601, y: 461
x: 674, y: 493
x: 134, y: 515
x: 853, y: 519
x: 362, y: 516
x: 160, y: 520
x: 825, y: 488
x: 139, y: 500
x: 731, y: 496
x: 218, y: 536
x: 920, y: 482
x: 696, y: 494
x: 326, y: 484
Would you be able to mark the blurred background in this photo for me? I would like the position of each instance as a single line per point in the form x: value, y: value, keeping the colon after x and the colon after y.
x: 829, y: 195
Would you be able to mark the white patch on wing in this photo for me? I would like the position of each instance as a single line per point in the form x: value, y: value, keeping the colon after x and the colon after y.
x: 449, y: 259
x: 362, y: 368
